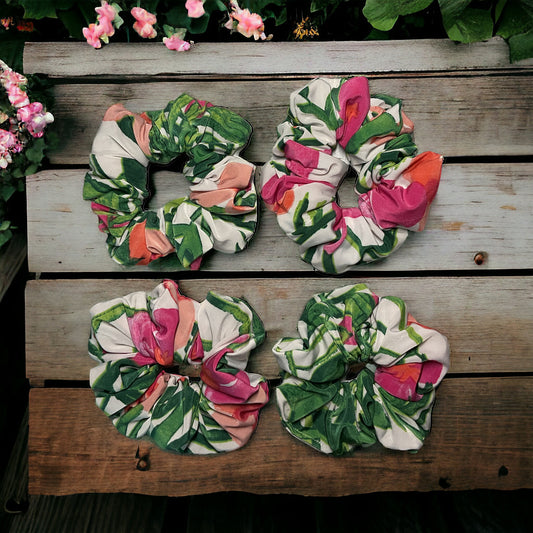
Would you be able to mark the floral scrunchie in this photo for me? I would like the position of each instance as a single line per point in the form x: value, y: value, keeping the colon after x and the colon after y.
x: 332, y: 125
x: 141, y: 338
x: 397, y: 364
x: 221, y: 210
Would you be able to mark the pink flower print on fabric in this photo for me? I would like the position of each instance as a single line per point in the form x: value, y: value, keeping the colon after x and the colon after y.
x: 373, y: 136
x: 399, y: 365
x: 154, y: 338
x: 354, y: 101
x: 140, y: 391
x: 403, y: 381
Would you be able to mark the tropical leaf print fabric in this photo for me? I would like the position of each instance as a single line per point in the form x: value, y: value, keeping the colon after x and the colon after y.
x: 334, y: 125
x: 221, y: 210
x: 397, y: 361
x: 139, y: 339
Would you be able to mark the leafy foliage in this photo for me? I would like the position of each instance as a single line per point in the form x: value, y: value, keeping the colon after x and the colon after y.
x: 464, y: 21
x: 24, y: 163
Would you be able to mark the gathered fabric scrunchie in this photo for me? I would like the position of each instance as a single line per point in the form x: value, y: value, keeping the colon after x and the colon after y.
x: 332, y: 125
x: 140, y: 339
x: 221, y: 210
x: 399, y: 364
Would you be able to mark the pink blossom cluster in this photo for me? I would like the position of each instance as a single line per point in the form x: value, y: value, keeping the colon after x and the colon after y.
x: 30, y: 117
x: 246, y: 23
x: 195, y: 8
x: 104, y: 26
x: 144, y: 23
x: 108, y: 19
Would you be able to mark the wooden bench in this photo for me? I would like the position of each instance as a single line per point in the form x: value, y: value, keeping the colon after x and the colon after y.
x: 468, y: 274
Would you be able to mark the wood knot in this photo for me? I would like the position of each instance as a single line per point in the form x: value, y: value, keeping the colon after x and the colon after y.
x: 503, y: 471
x: 480, y: 258
x: 143, y: 463
x: 444, y: 483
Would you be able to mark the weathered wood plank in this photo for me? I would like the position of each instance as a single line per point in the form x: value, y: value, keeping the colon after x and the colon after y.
x: 434, y: 104
x: 479, y: 207
x: 102, y: 513
x: 482, y: 437
x: 484, y: 336
x: 78, y: 59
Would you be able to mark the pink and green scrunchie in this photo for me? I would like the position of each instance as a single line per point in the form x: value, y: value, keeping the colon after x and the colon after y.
x: 221, y: 210
x: 139, y: 339
x: 399, y: 362
x: 332, y: 125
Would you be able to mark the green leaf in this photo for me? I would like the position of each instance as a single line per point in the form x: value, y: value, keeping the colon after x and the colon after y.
x: 515, y: 19
x: 6, y: 192
x: 383, y: 14
x: 521, y: 46
x: 473, y: 25
x: 74, y: 21
x: 498, y: 9
x: 452, y: 9
x: 379, y: 15
x: 38, y: 9
x: 11, y: 49
x: 35, y: 152
x: 5, y: 236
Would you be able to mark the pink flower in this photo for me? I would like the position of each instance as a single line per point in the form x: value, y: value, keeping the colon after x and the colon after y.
x: 195, y: 8
x: 17, y: 96
x: 8, y: 144
x: 7, y: 140
x: 10, y: 77
x: 93, y: 34
x: 248, y: 24
x: 106, y: 15
x: 144, y: 23
x: 35, y: 119
x: 175, y: 42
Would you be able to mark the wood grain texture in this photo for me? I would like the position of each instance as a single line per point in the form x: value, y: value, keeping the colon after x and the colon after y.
x: 423, y: 55
x: 479, y: 207
x: 434, y: 104
x: 487, y: 320
x: 481, y: 437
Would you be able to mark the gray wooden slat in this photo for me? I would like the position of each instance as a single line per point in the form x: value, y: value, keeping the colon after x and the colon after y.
x: 481, y: 437
x: 484, y: 336
x: 455, y: 116
x: 479, y: 207
x: 264, y: 58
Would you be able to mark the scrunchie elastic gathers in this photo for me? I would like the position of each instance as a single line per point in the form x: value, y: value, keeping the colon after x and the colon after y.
x: 221, y: 210
x: 333, y: 124
x: 139, y: 338
x: 400, y: 361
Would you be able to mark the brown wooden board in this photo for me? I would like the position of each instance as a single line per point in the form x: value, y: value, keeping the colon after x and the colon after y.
x: 482, y: 436
x: 487, y: 319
